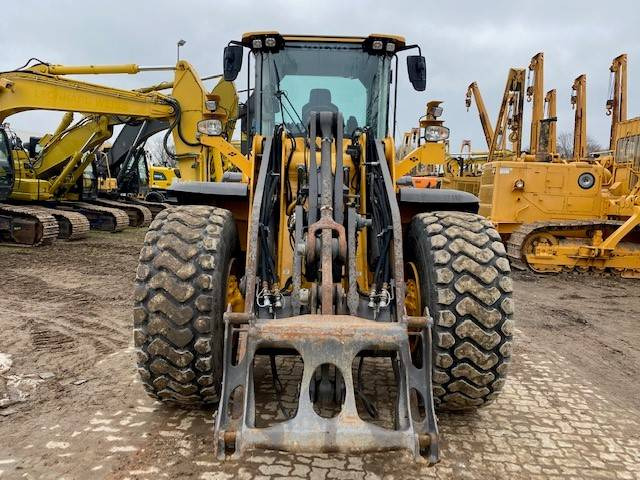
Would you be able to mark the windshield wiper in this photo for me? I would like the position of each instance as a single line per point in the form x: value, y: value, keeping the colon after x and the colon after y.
x: 279, y: 93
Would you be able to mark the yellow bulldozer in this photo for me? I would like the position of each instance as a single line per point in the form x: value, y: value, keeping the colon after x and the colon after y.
x: 565, y: 214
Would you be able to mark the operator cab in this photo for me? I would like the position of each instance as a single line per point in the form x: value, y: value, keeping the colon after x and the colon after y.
x: 6, y: 166
x: 296, y: 75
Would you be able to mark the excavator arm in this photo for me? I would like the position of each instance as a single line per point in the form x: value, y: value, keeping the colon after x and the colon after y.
x: 43, y: 87
x: 33, y: 90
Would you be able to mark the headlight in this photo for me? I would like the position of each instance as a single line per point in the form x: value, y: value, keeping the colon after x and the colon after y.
x: 270, y: 42
x: 586, y: 180
x: 376, y: 45
x: 519, y: 184
x: 211, y: 105
x: 435, y: 133
x: 210, y: 127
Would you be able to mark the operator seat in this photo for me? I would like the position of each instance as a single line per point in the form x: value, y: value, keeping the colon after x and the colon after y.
x: 319, y: 101
x: 352, y: 124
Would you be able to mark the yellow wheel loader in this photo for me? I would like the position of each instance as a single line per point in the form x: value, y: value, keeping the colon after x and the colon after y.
x: 318, y: 258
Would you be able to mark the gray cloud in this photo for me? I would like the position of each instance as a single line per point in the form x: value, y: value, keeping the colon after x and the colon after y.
x: 463, y: 41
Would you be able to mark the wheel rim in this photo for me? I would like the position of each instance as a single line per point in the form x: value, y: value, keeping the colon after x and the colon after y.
x: 412, y: 299
x: 234, y: 295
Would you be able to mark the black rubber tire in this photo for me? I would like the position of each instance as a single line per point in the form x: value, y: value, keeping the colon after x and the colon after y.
x: 179, y: 302
x: 465, y: 281
x: 155, y: 196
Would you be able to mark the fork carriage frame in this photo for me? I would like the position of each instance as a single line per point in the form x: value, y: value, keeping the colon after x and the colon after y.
x: 336, y: 328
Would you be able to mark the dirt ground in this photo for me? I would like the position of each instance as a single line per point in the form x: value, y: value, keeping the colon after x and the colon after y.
x: 71, y: 406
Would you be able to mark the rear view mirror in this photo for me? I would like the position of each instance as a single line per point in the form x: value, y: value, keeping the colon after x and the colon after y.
x: 32, y: 147
x: 232, y: 62
x: 417, y: 70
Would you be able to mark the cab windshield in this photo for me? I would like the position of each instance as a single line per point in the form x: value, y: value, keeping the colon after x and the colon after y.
x: 315, y: 76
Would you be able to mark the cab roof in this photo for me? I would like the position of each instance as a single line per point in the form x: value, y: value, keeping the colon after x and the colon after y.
x: 397, y: 39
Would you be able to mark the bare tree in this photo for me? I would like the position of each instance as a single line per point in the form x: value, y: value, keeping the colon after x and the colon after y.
x: 159, y: 155
x: 565, y: 145
x: 593, y: 145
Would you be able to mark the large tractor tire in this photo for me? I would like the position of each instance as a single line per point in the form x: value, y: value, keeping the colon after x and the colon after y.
x: 180, y: 298
x: 461, y: 273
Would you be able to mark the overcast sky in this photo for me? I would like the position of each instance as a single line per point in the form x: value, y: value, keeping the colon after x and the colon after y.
x: 462, y: 42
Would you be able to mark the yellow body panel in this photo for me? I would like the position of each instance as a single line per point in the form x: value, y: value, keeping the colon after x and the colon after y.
x: 161, y: 178
x: 108, y: 184
x: 417, y: 161
x: 550, y: 192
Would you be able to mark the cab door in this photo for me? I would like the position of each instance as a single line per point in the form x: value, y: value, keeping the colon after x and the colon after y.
x: 6, y: 167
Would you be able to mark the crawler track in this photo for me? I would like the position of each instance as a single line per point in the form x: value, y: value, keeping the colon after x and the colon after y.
x: 101, y: 218
x: 139, y: 215
x: 46, y: 228
x: 71, y: 225
x: 518, y: 237
x: 155, y: 207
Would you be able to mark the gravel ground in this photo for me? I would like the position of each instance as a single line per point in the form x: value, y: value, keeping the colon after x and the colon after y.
x: 71, y: 406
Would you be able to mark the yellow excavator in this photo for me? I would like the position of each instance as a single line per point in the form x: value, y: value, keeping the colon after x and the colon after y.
x: 50, y: 154
x: 581, y: 214
x: 51, y: 174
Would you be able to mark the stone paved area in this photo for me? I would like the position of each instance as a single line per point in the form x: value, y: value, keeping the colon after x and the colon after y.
x: 546, y: 424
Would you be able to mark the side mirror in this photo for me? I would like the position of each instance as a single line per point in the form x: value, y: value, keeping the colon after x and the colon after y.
x: 417, y: 70
x: 32, y: 147
x: 232, y: 62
